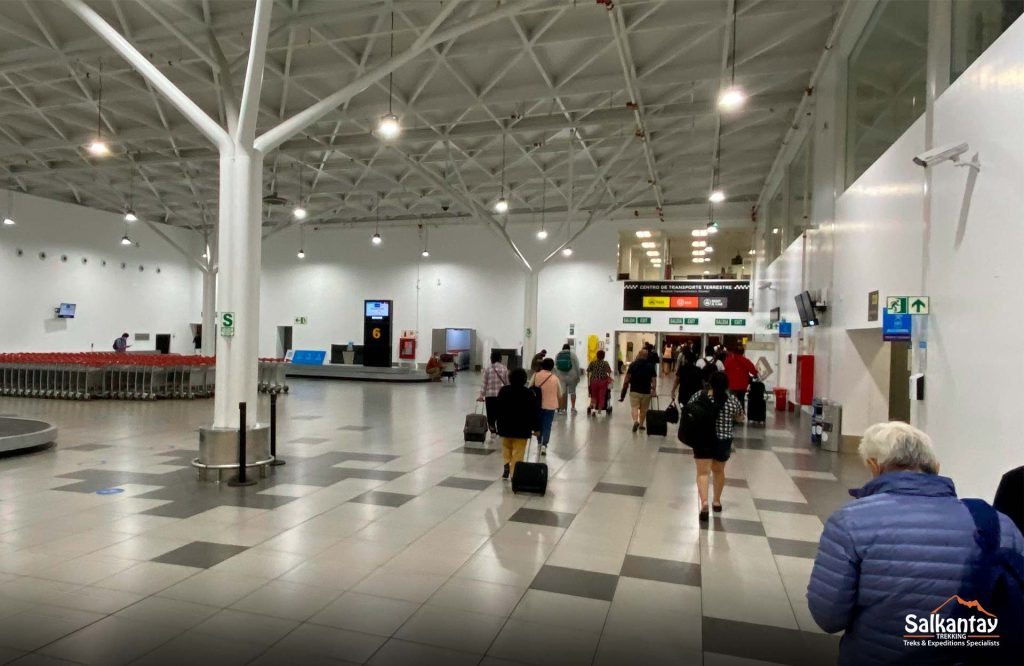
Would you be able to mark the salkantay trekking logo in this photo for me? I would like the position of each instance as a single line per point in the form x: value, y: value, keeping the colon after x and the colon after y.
x: 963, y: 624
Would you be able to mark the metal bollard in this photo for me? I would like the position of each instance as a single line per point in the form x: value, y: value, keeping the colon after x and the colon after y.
x: 273, y: 432
x: 241, y: 479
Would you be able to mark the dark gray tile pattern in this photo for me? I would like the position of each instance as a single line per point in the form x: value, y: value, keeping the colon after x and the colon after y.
x: 766, y: 643
x: 786, y: 507
x: 735, y: 525
x: 793, y: 547
x: 308, y: 440
x: 475, y: 450
x: 735, y: 483
x: 466, y: 484
x: 576, y: 582
x: 355, y: 428
x: 200, y: 554
x: 686, y: 451
x: 382, y: 498
x: 87, y: 447
x: 620, y: 489
x: 542, y: 517
x: 665, y: 571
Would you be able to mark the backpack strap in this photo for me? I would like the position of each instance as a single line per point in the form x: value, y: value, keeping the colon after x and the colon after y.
x: 986, y: 524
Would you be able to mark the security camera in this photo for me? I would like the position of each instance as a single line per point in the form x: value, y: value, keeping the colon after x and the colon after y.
x: 444, y: 207
x: 765, y: 284
x: 938, y: 155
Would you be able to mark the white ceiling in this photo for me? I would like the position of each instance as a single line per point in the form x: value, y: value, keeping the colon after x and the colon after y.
x: 561, y: 64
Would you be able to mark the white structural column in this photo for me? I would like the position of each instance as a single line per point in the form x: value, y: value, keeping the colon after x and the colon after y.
x: 209, y: 319
x: 530, y: 305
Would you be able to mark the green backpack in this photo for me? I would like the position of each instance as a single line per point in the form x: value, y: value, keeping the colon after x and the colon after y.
x: 563, y: 361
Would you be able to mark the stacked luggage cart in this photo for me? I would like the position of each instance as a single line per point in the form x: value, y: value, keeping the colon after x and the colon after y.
x: 272, y: 377
x: 83, y: 376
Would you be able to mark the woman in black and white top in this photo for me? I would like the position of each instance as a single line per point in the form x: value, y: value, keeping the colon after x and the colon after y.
x: 711, y: 456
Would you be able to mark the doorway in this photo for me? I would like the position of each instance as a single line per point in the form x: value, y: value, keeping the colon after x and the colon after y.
x: 899, y: 381
x: 284, y: 341
x: 163, y: 343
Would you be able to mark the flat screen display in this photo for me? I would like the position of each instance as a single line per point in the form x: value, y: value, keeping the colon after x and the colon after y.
x: 805, y: 307
x: 66, y: 311
x: 456, y: 340
x: 775, y: 315
x: 378, y: 309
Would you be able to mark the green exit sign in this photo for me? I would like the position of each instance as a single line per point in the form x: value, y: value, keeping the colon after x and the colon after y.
x: 722, y: 322
x: 691, y: 321
x: 643, y: 320
x: 676, y: 320
x: 629, y: 320
x: 739, y: 322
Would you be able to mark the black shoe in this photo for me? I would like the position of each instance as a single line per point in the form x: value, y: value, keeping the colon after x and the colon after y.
x: 504, y: 474
x: 703, y: 516
x: 717, y: 508
x: 636, y: 426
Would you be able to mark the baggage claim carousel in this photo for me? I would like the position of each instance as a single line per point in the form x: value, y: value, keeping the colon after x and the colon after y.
x: 18, y: 435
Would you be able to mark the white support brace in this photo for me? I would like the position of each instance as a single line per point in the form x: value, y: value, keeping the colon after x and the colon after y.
x: 245, y: 133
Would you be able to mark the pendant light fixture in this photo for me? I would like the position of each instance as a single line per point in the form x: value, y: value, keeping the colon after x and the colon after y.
x: 301, y: 254
x: 99, y: 147
x: 129, y: 212
x: 125, y: 240
x: 389, y: 128
x: 501, y: 206
x: 299, y: 213
x: 9, y: 217
x: 426, y: 242
x: 376, y: 239
x: 733, y: 97
x: 542, y: 233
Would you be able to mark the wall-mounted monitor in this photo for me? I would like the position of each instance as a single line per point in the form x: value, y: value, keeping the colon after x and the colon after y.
x: 66, y: 311
x: 805, y: 307
x: 457, y: 340
x: 378, y: 309
x: 775, y: 315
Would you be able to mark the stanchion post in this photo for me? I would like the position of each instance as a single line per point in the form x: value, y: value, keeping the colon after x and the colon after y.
x: 241, y: 479
x: 273, y: 432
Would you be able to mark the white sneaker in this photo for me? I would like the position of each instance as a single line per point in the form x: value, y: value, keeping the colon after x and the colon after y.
x: 543, y: 450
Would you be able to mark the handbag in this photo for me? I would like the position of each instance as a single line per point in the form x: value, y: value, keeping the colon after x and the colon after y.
x: 672, y: 413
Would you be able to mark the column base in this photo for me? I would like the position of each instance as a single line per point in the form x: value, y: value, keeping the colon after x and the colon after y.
x: 218, y: 450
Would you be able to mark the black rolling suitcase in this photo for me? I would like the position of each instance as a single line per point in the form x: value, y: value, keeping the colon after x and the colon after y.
x: 530, y: 477
x: 657, y: 422
x: 476, y: 427
x: 756, y: 406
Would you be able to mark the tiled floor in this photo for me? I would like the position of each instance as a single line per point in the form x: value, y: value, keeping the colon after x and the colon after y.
x: 385, y: 539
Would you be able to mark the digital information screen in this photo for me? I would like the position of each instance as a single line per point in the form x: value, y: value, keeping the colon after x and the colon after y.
x: 693, y: 295
x: 378, y: 308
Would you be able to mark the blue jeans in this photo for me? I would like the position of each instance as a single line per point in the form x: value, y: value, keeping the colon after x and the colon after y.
x: 547, y: 417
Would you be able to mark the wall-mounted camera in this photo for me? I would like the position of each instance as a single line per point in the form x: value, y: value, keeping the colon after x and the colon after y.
x: 950, y: 153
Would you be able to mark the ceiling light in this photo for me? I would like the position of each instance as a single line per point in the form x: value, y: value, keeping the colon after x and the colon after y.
x: 699, y: 243
x: 542, y: 234
x: 567, y: 252
x: 699, y: 233
x: 125, y: 240
x: 425, y: 253
x: 718, y: 196
x: 775, y: 230
x: 203, y: 256
x: 643, y: 234
x: 653, y: 253
x: 99, y: 148
x: 713, y: 228
x: 9, y: 217
x: 376, y: 239
x: 707, y: 272
x: 732, y: 98
x: 698, y: 253
x: 647, y: 245
x: 709, y: 249
x: 389, y: 128
x: 752, y: 252
x: 8, y: 221
x: 130, y: 216
x: 299, y: 213
x: 301, y: 254
x: 501, y: 206
x: 698, y: 260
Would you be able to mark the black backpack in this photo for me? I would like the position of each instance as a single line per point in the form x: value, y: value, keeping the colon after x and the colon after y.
x: 538, y: 393
x: 710, y: 368
x: 697, y: 421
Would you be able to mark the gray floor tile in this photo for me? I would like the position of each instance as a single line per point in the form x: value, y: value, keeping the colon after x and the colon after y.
x: 736, y: 525
x: 381, y: 498
x: 685, y: 451
x: 373, y: 474
x: 793, y: 548
x: 666, y: 571
x: 202, y: 554
x: 355, y: 428
x: 542, y: 517
x: 401, y: 653
x: 780, y: 505
x: 307, y: 417
x: 466, y: 484
x: 765, y: 643
x: 620, y: 489
x: 475, y: 450
x: 736, y: 483
x: 87, y: 447
x: 308, y: 440
x: 366, y: 457
x: 575, y: 582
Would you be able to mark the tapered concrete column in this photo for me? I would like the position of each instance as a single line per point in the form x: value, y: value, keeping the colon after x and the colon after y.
x: 530, y: 303
x: 238, y: 256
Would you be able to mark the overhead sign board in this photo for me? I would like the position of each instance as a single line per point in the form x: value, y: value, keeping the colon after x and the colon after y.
x: 696, y: 295
x: 896, y: 326
x: 636, y: 320
x: 918, y: 305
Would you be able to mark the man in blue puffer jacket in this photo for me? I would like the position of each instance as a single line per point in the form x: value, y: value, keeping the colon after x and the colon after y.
x: 903, y: 548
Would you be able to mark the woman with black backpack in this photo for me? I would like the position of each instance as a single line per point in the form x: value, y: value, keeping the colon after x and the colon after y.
x: 708, y: 422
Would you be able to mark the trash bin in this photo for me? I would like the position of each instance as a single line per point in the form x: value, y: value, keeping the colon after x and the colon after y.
x: 826, y: 424
x: 781, y: 399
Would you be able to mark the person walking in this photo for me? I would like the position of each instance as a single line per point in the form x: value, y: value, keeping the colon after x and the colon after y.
x: 641, y: 381
x: 907, y: 548
x: 546, y: 383
x: 1009, y: 497
x: 121, y: 344
x: 712, y: 454
x: 739, y: 370
x: 688, y: 378
x: 709, y: 364
x: 567, y: 369
x: 495, y: 377
x: 537, y: 360
x: 518, y: 417
x: 599, y: 380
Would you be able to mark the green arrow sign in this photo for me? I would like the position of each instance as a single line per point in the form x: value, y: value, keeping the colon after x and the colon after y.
x: 919, y: 305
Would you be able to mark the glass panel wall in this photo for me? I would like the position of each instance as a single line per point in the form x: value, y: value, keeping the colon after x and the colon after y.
x: 800, y: 178
x: 976, y: 24
x: 886, y: 75
x: 774, y: 231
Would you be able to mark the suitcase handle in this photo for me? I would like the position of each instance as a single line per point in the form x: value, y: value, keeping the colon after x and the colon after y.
x: 481, y: 407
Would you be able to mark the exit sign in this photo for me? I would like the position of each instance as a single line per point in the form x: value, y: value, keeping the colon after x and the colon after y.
x: 739, y: 322
x: 629, y: 320
x: 676, y: 320
x: 722, y: 322
x: 691, y: 321
x: 636, y: 320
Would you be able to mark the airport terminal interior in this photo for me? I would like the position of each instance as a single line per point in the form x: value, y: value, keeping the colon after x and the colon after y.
x: 257, y: 257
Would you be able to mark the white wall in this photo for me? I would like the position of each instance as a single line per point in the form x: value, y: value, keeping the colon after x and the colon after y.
x: 110, y: 300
